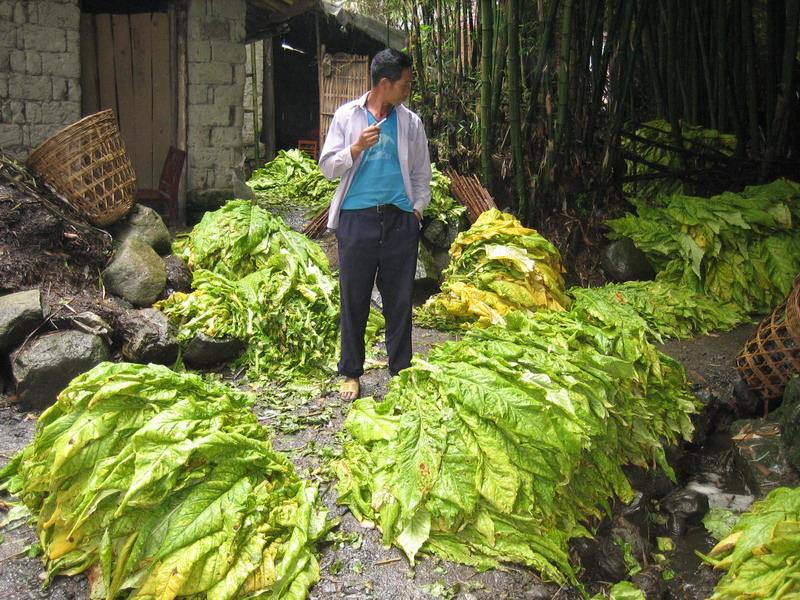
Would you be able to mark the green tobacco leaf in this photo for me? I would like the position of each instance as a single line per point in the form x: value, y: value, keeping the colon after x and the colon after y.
x: 738, y: 248
x: 510, y: 439
x: 190, y: 500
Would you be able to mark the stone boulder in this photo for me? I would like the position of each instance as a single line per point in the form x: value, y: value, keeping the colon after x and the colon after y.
x: 760, y: 456
x: 44, y: 367
x: 179, y: 277
x: 136, y: 273
x: 205, y: 351
x: 20, y: 314
x: 623, y: 261
x: 144, y: 224
x: 149, y: 338
x: 432, y: 262
x: 441, y: 234
x: 789, y: 419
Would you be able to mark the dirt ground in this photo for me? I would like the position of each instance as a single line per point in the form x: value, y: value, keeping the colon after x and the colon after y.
x: 356, y: 565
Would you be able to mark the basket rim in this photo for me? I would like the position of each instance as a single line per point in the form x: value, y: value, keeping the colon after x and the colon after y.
x: 42, y: 147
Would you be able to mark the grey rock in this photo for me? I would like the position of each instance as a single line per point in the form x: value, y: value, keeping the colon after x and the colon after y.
x: 20, y: 314
x: 434, y: 261
x: 205, y: 351
x: 624, y: 530
x: 149, y: 338
x: 760, y: 456
x: 789, y: 419
x: 650, y: 581
x: 44, y: 367
x: 623, y: 261
x: 747, y: 402
x: 636, y: 511
x: 440, y: 234
x: 685, y: 504
x: 601, y: 557
x: 136, y: 273
x: 652, y: 483
x: 146, y: 225
x: 179, y: 277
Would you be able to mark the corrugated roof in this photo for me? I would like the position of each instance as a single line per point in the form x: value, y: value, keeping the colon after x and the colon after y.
x: 264, y: 15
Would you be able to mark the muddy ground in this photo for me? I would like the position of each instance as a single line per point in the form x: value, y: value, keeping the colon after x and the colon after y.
x: 356, y: 565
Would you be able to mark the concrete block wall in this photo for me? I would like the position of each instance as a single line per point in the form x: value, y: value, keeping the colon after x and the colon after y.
x: 216, y: 73
x: 39, y: 71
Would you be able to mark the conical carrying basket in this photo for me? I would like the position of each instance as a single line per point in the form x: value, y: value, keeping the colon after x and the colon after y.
x: 768, y: 361
x: 86, y: 162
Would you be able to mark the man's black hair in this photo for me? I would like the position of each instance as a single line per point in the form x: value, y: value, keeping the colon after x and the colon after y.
x: 389, y: 63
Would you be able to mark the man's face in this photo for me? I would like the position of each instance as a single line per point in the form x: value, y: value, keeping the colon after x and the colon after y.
x: 398, y: 91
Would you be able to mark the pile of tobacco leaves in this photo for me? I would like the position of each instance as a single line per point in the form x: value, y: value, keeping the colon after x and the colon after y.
x: 762, y: 553
x: 502, y: 446
x: 741, y: 248
x: 292, y: 178
x: 665, y: 310
x: 655, y: 146
x: 442, y: 205
x: 165, y: 485
x: 495, y: 267
x: 257, y: 280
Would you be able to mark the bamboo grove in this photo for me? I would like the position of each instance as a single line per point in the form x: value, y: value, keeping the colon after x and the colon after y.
x: 536, y: 96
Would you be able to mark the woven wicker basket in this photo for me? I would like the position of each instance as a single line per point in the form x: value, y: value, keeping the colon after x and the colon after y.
x: 86, y: 162
x: 768, y: 361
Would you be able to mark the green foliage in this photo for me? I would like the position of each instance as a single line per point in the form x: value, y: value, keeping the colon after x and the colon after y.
x: 665, y: 309
x: 443, y: 206
x: 257, y: 280
x: 293, y: 178
x: 719, y: 522
x: 495, y: 267
x: 166, y: 485
x: 742, y: 248
x: 696, y: 139
x: 624, y: 590
x: 762, y: 552
x: 498, y: 448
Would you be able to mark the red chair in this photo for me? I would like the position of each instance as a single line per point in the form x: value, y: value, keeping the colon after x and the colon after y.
x: 310, y: 147
x: 165, y: 198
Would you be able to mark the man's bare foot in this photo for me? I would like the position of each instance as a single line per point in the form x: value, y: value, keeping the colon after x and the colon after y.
x: 350, y: 388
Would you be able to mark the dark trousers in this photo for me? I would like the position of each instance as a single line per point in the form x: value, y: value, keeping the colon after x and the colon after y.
x: 376, y: 245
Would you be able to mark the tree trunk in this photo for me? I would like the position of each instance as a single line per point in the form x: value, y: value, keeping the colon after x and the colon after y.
x: 535, y: 77
x: 563, y: 71
x: 499, y: 63
x: 514, y: 105
x: 702, y: 42
x: 785, y: 100
x: 487, y: 14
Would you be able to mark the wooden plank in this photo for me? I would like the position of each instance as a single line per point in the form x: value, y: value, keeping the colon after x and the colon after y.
x: 90, y: 93
x: 142, y: 54
x: 163, y: 93
x: 123, y: 73
x: 105, y: 62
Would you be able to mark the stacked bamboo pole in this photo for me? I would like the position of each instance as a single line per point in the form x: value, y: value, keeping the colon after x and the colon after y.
x: 467, y: 189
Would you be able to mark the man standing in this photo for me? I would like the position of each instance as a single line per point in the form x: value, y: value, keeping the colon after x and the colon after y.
x: 379, y: 149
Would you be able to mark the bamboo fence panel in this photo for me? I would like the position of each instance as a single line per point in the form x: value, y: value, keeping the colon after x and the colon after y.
x: 342, y: 77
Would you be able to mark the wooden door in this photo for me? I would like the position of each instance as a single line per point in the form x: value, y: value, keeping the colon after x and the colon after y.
x: 342, y: 77
x: 126, y: 65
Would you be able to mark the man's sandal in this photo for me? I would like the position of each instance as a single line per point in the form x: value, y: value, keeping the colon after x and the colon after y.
x: 350, y: 389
